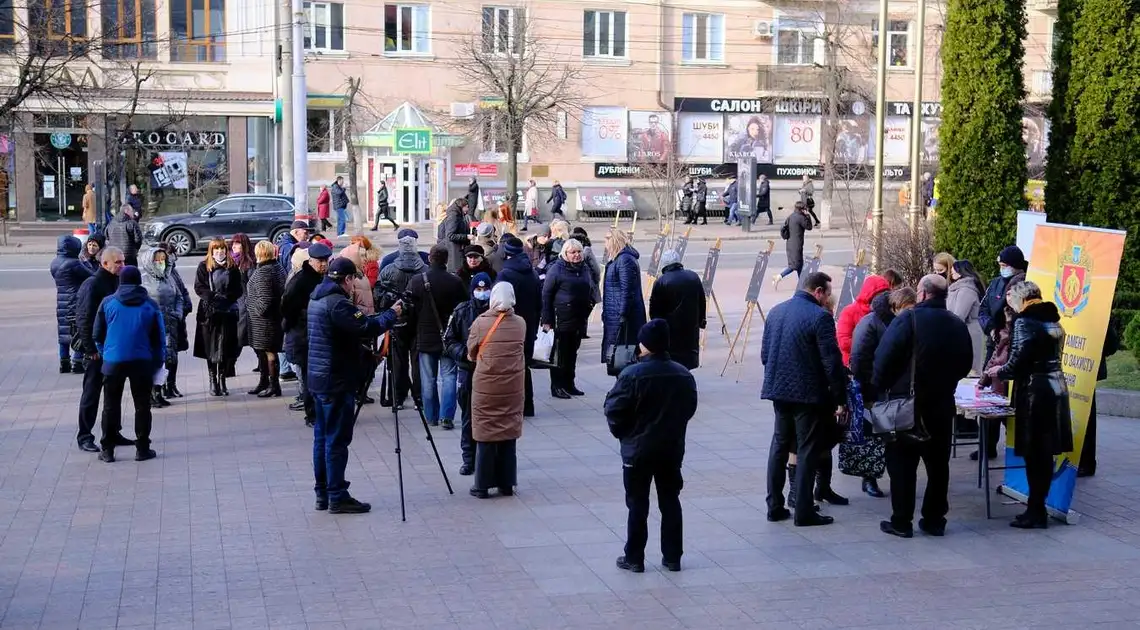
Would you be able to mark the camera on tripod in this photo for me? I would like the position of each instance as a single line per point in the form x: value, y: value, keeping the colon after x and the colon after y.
x: 385, y: 297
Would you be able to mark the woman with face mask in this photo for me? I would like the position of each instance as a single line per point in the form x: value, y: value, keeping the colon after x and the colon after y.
x: 158, y: 280
x: 218, y: 285
x: 455, y: 345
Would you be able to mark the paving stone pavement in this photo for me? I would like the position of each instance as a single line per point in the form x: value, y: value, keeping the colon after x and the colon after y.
x: 219, y: 531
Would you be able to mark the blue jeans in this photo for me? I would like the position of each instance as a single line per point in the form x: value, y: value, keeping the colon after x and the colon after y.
x: 341, y: 219
x: 332, y: 433
x: 732, y: 218
x: 92, y: 229
x: 433, y: 367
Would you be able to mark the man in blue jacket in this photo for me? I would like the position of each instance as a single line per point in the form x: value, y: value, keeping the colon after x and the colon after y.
x: 805, y: 379
x: 131, y: 338
x: 649, y: 409
x: 335, y: 373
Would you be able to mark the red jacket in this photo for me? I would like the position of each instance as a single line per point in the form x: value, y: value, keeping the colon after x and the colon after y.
x: 849, y: 318
x: 323, y: 202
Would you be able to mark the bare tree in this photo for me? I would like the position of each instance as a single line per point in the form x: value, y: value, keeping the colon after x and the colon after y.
x: 526, y: 88
x: 348, y: 129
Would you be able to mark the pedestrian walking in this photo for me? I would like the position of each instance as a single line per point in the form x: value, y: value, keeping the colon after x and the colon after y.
x: 623, y: 306
x: 264, y: 292
x: 731, y: 202
x: 557, y: 199
x: 125, y: 234
x: 383, y: 209
x: 678, y: 297
x: 805, y: 380
x: 324, y: 205
x: 687, y: 201
x: 567, y: 299
x: 1042, y: 426
x: 294, y: 316
x: 764, y: 197
x: 455, y: 341
x: 90, y: 213
x: 130, y: 337
x: 929, y: 347
x: 158, y: 279
x: 792, y: 232
x: 69, y: 274
x: 518, y: 273
x: 700, y: 198
x: 217, y: 283
x: 339, y: 198
x: 495, y: 343
x: 648, y: 410
x: 807, y: 197
x: 92, y: 292
x: 530, y: 212
x: 436, y: 293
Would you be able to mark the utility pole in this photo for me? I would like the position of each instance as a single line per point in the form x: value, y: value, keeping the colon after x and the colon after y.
x: 300, y: 115
x: 880, y: 123
x: 285, y: 91
x: 916, y: 123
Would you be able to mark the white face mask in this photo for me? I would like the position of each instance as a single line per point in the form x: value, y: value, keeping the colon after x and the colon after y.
x: 160, y: 267
x: 482, y: 296
x: 219, y: 256
x: 1007, y: 272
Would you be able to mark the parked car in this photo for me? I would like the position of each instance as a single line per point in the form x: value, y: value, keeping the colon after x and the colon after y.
x: 258, y: 216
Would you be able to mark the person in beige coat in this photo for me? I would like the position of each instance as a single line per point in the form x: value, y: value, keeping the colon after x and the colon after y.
x: 495, y: 345
x: 89, y: 208
x: 359, y: 291
x: 963, y: 299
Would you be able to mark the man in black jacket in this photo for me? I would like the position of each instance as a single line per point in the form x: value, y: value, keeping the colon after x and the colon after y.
x: 678, y: 297
x: 764, y: 197
x: 649, y: 409
x: 805, y: 379
x: 435, y: 293
x: 455, y: 344
x: 700, y: 199
x: 87, y: 301
x: 125, y: 234
x: 528, y: 303
x: 455, y: 233
x: 294, y: 312
x: 937, y: 343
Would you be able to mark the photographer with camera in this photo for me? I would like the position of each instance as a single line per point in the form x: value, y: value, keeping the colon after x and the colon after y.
x: 406, y: 263
x: 336, y: 371
x: 455, y: 346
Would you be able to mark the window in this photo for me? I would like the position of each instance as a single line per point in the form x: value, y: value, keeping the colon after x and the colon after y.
x: 503, y: 29
x: 198, y: 30
x: 324, y: 26
x: 228, y: 207
x: 268, y: 204
x: 324, y: 131
x: 898, y: 42
x: 7, y: 26
x: 497, y: 137
x: 702, y: 37
x: 129, y: 29
x: 795, y: 41
x: 603, y: 34
x: 57, y: 27
x: 407, y: 29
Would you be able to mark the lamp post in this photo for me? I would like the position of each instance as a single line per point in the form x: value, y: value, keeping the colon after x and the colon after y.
x: 916, y: 121
x: 880, y: 122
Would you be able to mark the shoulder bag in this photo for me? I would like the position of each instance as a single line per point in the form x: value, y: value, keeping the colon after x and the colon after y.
x: 434, y: 311
x: 621, y: 355
x: 483, y: 342
x: 897, y: 418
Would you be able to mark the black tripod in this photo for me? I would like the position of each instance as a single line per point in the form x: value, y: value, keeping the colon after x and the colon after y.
x: 389, y: 383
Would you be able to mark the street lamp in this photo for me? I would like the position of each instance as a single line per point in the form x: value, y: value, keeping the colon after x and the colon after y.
x: 916, y: 121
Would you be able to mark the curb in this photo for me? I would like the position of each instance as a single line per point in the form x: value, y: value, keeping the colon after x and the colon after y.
x: 1118, y: 402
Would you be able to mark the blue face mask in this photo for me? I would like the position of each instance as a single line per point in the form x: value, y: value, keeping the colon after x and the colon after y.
x: 1006, y: 272
x: 482, y: 296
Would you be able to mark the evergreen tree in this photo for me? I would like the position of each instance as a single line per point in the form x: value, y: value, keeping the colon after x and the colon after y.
x: 1094, y: 149
x: 983, y: 165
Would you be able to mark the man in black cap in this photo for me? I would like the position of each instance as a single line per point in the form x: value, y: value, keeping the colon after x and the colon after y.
x: 294, y: 312
x: 335, y: 373
x: 298, y: 233
x: 649, y: 409
x: 517, y: 272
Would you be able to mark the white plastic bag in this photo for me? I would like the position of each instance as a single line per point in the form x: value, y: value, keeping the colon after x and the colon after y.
x: 543, y: 346
x: 160, y: 376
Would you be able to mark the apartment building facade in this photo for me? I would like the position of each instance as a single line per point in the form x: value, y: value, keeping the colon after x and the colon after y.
x: 710, y: 81
x: 174, y: 96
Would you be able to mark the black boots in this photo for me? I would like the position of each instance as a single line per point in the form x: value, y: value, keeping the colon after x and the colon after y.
x: 263, y: 370
x: 791, y: 502
x: 156, y: 399
x: 272, y: 381
x: 65, y: 366
x: 215, y: 379
x: 823, y: 491
x: 170, y: 390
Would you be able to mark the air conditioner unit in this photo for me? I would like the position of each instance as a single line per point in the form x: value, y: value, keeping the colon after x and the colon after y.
x: 762, y: 28
x: 462, y: 110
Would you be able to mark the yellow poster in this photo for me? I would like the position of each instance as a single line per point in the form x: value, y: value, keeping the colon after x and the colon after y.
x: 1076, y: 268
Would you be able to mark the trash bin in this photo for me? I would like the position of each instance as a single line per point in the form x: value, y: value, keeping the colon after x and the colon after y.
x: 745, y: 220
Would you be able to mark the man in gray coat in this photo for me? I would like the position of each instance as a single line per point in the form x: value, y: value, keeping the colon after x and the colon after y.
x: 125, y: 234
x: 455, y: 233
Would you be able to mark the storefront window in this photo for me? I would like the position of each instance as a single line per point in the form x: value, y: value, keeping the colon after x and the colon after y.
x: 259, y: 153
x: 177, y: 166
x: 7, y: 175
x: 61, y: 173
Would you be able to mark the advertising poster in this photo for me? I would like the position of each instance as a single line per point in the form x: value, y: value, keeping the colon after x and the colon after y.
x: 604, y: 132
x: 1076, y: 268
x: 796, y: 139
x: 930, y: 127
x: 650, y: 136
x: 700, y: 137
x: 168, y: 170
x: 853, y: 141
x: 748, y: 136
x: 611, y: 199
x: 896, y: 140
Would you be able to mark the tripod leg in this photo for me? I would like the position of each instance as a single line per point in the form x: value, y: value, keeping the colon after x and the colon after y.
x: 396, y: 419
x: 732, y: 342
x: 744, y: 348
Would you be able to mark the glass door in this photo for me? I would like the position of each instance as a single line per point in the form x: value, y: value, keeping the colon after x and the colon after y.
x: 61, y: 176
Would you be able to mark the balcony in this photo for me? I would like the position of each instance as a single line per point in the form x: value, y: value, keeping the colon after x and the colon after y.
x: 795, y: 80
x: 1048, y: 7
x: 1042, y: 87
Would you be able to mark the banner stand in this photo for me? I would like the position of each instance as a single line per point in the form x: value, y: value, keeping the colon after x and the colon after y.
x: 752, y: 304
x: 810, y: 267
x: 707, y: 280
x: 853, y: 277
x: 653, y: 269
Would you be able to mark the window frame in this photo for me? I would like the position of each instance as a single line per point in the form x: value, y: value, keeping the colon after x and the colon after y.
x: 337, y: 146
x: 185, y: 47
x: 48, y: 42
x: 810, y: 30
x: 611, y: 41
x: 216, y: 208
x: 491, y: 153
x: 711, y: 40
x: 891, y: 33
x: 311, y: 25
x: 416, y: 8
x: 516, y: 20
x: 8, y: 19
x: 116, y: 43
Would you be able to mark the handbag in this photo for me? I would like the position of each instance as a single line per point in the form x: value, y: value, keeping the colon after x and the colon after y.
x: 621, y: 355
x: 483, y: 342
x: 896, y: 418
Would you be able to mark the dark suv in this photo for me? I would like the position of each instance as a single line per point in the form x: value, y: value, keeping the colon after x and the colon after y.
x: 258, y: 216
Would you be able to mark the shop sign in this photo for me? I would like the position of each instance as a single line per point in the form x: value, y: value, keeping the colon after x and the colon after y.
x: 413, y: 141
x: 751, y: 105
x: 181, y: 139
x: 612, y: 199
x: 476, y: 170
x: 611, y: 170
x: 904, y: 108
x: 61, y: 140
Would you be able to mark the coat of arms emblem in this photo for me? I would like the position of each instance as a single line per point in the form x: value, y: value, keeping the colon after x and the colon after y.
x: 1074, y: 279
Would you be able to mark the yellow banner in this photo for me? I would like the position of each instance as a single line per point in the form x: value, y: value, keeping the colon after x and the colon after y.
x: 1076, y: 268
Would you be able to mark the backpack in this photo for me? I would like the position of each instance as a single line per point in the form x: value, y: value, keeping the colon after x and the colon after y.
x: 786, y: 230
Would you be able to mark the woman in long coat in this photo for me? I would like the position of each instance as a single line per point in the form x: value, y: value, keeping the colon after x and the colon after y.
x: 217, y: 283
x: 158, y: 278
x: 324, y: 203
x: 68, y: 274
x: 1042, y: 424
x: 567, y: 299
x: 964, y: 299
x: 263, y: 302
x: 241, y: 250
x: 623, y: 306
x: 495, y: 345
